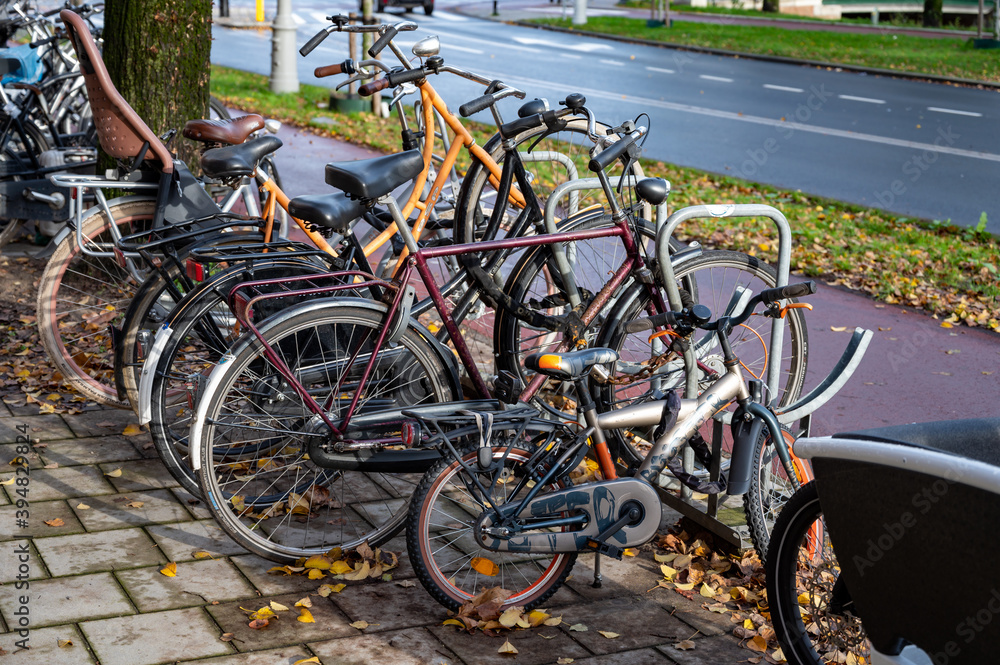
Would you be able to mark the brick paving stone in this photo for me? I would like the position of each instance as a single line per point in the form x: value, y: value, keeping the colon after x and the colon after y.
x: 194, y: 504
x: 709, y: 650
x: 45, y: 649
x: 390, y: 606
x: 255, y: 568
x: 631, y: 575
x: 112, y: 512
x: 90, y: 451
x: 180, y: 541
x: 5, y: 411
x: 161, y: 637
x: 637, y: 657
x: 280, y: 656
x: 67, y: 483
x: 415, y: 646
x: 8, y: 452
x: 532, y: 648
x: 691, y: 612
x: 11, y: 564
x: 39, y: 513
x: 103, y: 422
x: 41, y: 428
x: 284, y: 631
x: 95, y: 552
x: 3, y: 498
x: 68, y: 599
x: 140, y: 475
x: 196, y: 583
x: 639, y: 623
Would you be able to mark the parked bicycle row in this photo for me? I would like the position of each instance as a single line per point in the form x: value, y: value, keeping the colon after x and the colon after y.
x: 444, y: 359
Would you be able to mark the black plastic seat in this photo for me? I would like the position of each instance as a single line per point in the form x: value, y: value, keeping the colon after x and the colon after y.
x: 976, y: 438
x: 332, y: 211
x: 372, y: 178
x: 233, y: 161
x: 569, y: 365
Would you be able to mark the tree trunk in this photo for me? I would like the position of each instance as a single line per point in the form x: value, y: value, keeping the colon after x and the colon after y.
x: 770, y: 6
x: 933, y: 13
x: 157, y: 53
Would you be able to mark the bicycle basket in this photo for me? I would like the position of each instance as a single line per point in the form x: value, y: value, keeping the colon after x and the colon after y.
x: 20, y: 64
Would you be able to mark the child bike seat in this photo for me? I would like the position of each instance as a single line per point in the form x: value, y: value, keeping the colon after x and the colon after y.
x: 228, y: 130
x: 372, y: 178
x: 977, y: 438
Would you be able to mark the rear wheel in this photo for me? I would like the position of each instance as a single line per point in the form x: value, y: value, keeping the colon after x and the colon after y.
x: 770, y: 488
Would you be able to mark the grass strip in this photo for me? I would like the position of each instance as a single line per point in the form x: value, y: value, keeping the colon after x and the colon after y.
x: 949, y: 271
x: 903, y: 53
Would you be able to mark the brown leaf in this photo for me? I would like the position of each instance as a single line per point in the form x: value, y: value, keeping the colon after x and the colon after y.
x: 684, y: 645
x: 757, y: 643
x: 507, y: 647
x: 65, y: 643
x: 55, y: 521
x: 258, y: 624
x: 226, y: 637
x: 360, y: 625
x: 608, y: 634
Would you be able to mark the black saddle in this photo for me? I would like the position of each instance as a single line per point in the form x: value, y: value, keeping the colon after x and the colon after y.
x: 569, y: 365
x: 233, y: 161
x: 372, y: 178
x: 332, y: 211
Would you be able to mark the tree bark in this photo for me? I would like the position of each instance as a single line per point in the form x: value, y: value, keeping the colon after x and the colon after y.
x: 157, y: 53
x: 933, y: 13
x: 770, y: 6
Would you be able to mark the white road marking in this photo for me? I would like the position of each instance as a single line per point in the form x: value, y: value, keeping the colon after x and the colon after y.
x: 449, y: 17
x: 462, y: 49
x: 616, y: 63
x: 298, y: 19
x: 586, y: 48
x: 571, y: 56
x: 722, y: 79
x: 783, y: 88
x: 659, y: 69
x: 867, y: 100
x: 971, y: 114
x: 525, y: 83
x: 319, y: 17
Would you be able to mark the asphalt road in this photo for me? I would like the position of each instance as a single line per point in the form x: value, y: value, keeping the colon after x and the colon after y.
x: 921, y: 149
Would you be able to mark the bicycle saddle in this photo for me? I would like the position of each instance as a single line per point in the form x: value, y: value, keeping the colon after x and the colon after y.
x: 332, y: 211
x: 229, y: 130
x: 238, y: 160
x: 569, y: 365
x: 372, y: 178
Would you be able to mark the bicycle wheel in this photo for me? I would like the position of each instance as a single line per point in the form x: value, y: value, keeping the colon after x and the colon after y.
x: 217, y: 110
x: 802, y: 572
x: 770, y: 488
x: 80, y: 296
x: 203, y: 329
x: 646, y: 370
x: 15, y: 164
x: 260, y: 442
x: 443, y: 547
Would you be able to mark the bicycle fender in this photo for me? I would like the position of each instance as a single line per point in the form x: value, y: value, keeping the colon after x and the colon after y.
x: 745, y: 435
x: 145, y: 406
x: 398, y: 326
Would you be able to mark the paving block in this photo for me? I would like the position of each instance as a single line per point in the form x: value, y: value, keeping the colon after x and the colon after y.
x: 415, y: 646
x: 149, y: 639
x: 39, y: 513
x: 532, y: 647
x: 280, y: 656
x: 103, y: 422
x: 709, y: 651
x: 40, y: 428
x: 195, y: 505
x: 45, y: 649
x: 691, y: 612
x: 89, y: 451
x: 67, y: 600
x: 3, y: 498
x: 637, y: 622
x: 19, y: 560
x: 196, y: 583
x: 140, y: 475
x: 286, y: 630
x: 637, y: 657
x: 388, y: 606
x: 255, y: 568
x: 96, y: 552
x: 180, y: 541
x: 5, y: 411
x: 631, y: 575
x: 67, y: 483
x: 114, y: 512
x: 8, y: 453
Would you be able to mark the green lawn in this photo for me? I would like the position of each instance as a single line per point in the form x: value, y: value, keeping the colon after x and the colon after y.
x: 904, y: 53
x: 948, y: 271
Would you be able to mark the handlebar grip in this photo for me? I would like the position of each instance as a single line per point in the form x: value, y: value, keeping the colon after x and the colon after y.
x: 43, y: 42
x: 476, y: 105
x: 768, y: 296
x: 382, y: 42
x: 370, y: 88
x: 648, y: 323
x: 405, y: 76
x: 315, y: 41
x: 331, y: 70
x: 612, y: 152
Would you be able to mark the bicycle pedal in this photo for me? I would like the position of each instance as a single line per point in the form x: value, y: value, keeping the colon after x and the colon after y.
x: 604, y: 548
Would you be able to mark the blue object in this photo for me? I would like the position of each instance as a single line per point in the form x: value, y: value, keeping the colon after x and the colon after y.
x: 20, y: 64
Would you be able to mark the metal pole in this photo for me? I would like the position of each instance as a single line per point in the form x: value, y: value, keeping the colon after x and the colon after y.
x: 224, y: 8
x: 580, y: 12
x: 979, y: 21
x: 284, y: 74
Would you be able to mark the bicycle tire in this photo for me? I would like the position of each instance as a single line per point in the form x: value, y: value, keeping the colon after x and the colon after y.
x: 15, y: 164
x: 199, y: 340
x: 217, y: 110
x: 798, y: 564
x: 372, y: 504
x: 77, y: 290
x: 711, y: 278
x: 452, y: 587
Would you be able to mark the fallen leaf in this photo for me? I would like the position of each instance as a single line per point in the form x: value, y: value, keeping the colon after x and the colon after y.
x: 278, y: 607
x: 684, y: 645
x: 507, y: 647
x: 114, y: 474
x: 135, y: 504
x: 630, y: 551
x: 757, y: 643
x: 554, y: 621
x: 170, y: 570
x: 510, y: 617
x: 326, y: 589
x: 608, y: 634
x: 360, y: 573
x: 305, y: 602
x: 56, y: 521
x: 65, y: 643
x: 319, y: 562
x: 360, y: 625
x: 314, y: 659
x: 305, y: 616
x: 838, y: 328
x: 226, y: 637
x: 258, y: 624
x: 315, y: 574
x: 340, y: 568
x: 54, y: 465
x: 82, y: 506
x: 132, y: 429
x: 565, y: 661
x: 406, y: 584
x: 578, y: 627
x: 9, y: 481
x: 201, y: 554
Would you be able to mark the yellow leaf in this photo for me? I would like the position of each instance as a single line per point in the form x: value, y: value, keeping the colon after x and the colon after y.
x: 665, y: 558
x: 707, y: 591
x: 340, y: 567
x: 803, y: 599
x: 55, y: 521
x: 305, y: 602
x: 554, y: 621
x: 315, y: 574
x: 82, y: 506
x: 319, y: 562
x: 684, y: 587
x: 537, y: 617
x: 170, y: 570
x: 630, y: 551
x: 838, y: 328
x: 135, y: 504
x: 565, y: 661
x: 9, y: 481
x: 202, y: 554
x: 509, y: 618
x: 757, y: 643
x: 46, y: 408
x: 359, y: 574
x: 53, y: 397
x: 668, y: 572
x: 484, y: 566
x: 132, y: 429
x: 507, y: 647
x: 326, y: 589
x: 305, y: 616
x: 748, y: 624
x: 453, y: 622
x: 286, y: 570
x: 945, y: 324
x: 114, y: 474
x: 608, y: 634
x: 278, y: 607
x: 360, y: 625
x: 314, y: 659
x: 65, y: 643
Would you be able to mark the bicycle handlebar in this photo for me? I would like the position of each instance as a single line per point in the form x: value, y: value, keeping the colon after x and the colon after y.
x: 383, y: 41
x: 345, y: 67
x: 487, y: 100
x: 315, y: 41
x: 614, y: 151
x: 769, y: 296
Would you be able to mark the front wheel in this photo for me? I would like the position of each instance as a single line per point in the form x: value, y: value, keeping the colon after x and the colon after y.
x: 802, y: 573
x: 441, y: 541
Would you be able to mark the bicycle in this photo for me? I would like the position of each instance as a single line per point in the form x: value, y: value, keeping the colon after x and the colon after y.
x: 504, y: 511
